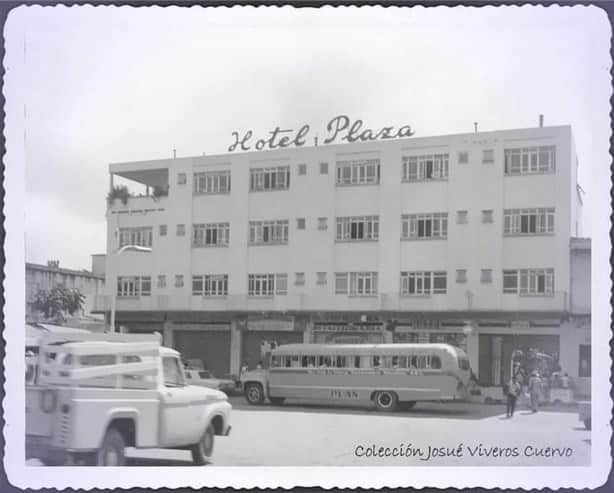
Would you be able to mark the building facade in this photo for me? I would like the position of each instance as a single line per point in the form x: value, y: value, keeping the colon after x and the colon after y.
x: 459, y: 238
x: 46, y: 277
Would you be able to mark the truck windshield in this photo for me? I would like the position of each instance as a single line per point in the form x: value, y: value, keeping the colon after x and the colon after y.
x: 173, y: 377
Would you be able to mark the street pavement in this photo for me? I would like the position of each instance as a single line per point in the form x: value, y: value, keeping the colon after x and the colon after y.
x: 431, y: 434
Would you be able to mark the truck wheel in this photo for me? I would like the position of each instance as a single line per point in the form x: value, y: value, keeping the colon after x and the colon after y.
x: 254, y: 393
x: 203, y: 450
x: 385, y: 401
x: 112, y: 451
x: 277, y: 401
x: 587, y: 423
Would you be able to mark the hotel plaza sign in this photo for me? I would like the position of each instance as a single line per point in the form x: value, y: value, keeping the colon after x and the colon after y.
x: 340, y: 128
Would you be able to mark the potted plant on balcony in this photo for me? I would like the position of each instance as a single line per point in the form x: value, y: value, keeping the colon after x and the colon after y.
x: 120, y: 192
x: 159, y: 191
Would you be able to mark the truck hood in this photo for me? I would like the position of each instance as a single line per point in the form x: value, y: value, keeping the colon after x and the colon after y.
x: 207, y: 393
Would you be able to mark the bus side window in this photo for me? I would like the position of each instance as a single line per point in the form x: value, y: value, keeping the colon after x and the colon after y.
x: 341, y: 362
x: 292, y: 361
x: 435, y: 362
x: 421, y: 362
x: 276, y: 361
x: 309, y: 361
x: 356, y: 361
x: 375, y: 361
x: 413, y: 361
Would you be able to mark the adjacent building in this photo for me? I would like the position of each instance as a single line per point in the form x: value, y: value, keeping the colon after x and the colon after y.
x: 460, y: 238
x: 46, y: 277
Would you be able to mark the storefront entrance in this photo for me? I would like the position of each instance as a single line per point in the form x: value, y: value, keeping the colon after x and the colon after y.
x: 495, y: 353
x: 212, y: 347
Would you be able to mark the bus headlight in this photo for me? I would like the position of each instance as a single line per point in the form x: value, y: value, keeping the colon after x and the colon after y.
x: 48, y: 401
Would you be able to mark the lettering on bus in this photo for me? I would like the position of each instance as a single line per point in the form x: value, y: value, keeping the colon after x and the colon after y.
x: 343, y: 394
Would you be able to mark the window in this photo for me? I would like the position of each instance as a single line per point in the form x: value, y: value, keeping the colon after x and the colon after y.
x: 179, y: 281
x: 529, y: 282
x: 161, y: 281
x: 530, y: 160
x: 277, y: 178
x: 427, y: 167
x: 211, y: 182
x: 321, y: 278
x: 266, y: 285
x: 299, y: 279
x: 322, y: 223
x: 172, y: 372
x: 461, y: 275
x: 300, y: 223
x: 358, y: 172
x: 487, y: 216
x: 210, y: 285
x: 486, y: 275
x: 323, y: 168
x: 488, y: 156
x: 463, y: 157
x: 181, y: 230
x: 519, y: 222
x: 181, y: 178
x: 163, y: 229
x: 424, y: 226
x: 461, y: 217
x: 268, y: 232
x: 423, y: 283
x: 341, y: 283
x: 357, y: 228
x: 135, y: 236
x: 133, y: 286
x: 302, y: 169
x: 584, y: 360
x: 211, y: 234
x: 360, y: 283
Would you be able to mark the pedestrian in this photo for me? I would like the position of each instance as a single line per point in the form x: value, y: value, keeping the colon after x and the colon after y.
x: 513, y: 391
x: 534, y: 390
x: 259, y: 365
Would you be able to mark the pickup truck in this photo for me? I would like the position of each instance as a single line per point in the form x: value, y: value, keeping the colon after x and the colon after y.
x: 93, y: 395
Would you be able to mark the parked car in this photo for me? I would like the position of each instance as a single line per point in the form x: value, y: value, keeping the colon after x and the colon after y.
x: 204, y: 378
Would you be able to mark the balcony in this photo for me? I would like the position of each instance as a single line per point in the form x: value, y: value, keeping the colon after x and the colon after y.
x: 137, y: 186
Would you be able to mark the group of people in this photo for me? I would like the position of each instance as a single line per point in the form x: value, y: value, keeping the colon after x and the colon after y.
x: 514, y: 389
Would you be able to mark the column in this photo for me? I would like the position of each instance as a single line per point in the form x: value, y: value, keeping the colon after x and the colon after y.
x: 473, y: 352
x: 235, y: 348
x: 167, y: 334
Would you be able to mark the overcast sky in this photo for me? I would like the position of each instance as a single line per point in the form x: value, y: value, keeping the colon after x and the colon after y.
x: 107, y: 84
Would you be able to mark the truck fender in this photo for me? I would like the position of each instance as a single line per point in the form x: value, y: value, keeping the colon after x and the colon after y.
x: 120, y: 413
x: 215, y: 416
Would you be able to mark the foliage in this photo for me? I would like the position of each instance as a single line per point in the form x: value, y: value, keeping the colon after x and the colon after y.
x: 58, y: 301
x: 120, y: 192
x: 159, y: 191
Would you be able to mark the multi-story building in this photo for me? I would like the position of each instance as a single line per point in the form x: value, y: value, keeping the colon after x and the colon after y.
x: 459, y: 238
x: 46, y: 277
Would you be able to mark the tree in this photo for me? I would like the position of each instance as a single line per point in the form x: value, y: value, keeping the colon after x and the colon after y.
x: 54, y: 304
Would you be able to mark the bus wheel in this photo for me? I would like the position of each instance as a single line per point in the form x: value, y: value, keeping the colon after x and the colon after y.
x: 277, y: 401
x: 254, y: 393
x: 385, y: 401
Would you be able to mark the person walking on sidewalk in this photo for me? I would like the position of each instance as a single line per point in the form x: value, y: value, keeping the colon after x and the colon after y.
x: 534, y: 390
x: 513, y: 391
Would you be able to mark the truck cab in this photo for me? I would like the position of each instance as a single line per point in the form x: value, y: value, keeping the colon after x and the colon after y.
x: 95, y: 395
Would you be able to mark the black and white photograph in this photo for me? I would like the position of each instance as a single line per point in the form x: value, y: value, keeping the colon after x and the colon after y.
x: 346, y: 247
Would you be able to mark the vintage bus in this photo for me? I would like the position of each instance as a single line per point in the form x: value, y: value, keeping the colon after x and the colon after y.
x: 388, y: 375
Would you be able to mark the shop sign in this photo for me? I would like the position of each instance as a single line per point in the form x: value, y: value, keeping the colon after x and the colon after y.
x: 404, y: 329
x: 348, y: 328
x: 206, y: 327
x: 520, y: 325
x: 263, y: 325
x: 339, y: 128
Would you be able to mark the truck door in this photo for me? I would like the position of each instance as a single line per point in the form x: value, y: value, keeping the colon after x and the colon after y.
x: 181, y: 419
